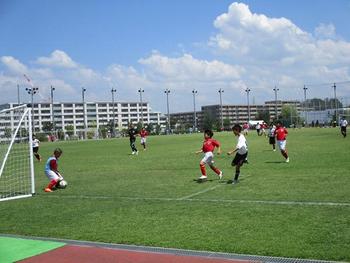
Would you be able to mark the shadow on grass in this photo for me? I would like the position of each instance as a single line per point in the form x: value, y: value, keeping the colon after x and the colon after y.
x: 275, y: 162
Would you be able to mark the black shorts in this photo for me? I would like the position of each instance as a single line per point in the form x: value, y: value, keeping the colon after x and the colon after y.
x: 35, y: 149
x: 343, y: 129
x: 239, y: 159
x: 258, y: 131
x: 272, y: 140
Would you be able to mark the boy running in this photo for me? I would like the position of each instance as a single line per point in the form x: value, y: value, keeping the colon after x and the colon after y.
x: 132, y: 136
x: 343, y: 124
x: 241, y: 151
x: 208, y: 147
x: 51, y: 170
x: 143, y: 134
x: 245, y: 128
x: 272, y: 138
x: 35, y: 145
x: 281, y: 134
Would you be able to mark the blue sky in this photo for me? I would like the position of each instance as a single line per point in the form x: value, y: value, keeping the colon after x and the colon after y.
x: 181, y: 45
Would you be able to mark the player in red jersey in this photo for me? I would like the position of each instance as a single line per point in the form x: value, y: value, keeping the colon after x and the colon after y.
x: 281, y: 135
x: 143, y: 134
x: 208, y: 147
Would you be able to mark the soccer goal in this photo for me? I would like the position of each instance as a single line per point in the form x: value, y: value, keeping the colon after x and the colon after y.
x: 16, y: 157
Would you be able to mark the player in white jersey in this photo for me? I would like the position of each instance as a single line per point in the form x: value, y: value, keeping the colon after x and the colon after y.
x: 343, y: 124
x: 35, y: 146
x: 272, y: 138
x: 241, y: 151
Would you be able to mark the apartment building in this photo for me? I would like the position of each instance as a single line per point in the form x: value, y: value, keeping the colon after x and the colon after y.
x: 235, y: 113
x: 92, y: 114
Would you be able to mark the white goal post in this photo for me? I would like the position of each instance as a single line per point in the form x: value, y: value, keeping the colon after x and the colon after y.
x: 16, y: 156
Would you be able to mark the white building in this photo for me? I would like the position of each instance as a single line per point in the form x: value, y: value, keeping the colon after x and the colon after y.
x: 92, y: 114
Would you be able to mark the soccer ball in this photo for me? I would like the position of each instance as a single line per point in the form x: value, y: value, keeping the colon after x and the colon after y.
x: 62, y: 184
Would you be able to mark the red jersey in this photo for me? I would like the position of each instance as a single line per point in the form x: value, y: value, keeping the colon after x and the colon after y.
x: 143, y: 134
x: 281, y: 133
x: 209, y: 145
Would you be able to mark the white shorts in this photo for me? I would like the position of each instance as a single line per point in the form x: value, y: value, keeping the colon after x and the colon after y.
x: 282, y: 145
x: 208, y: 158
x: 53, y: 176
x: 143, y: 140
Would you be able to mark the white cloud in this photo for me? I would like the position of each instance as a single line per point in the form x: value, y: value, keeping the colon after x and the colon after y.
x: 57, y: 58
x: 14, y: 65
x: 256, y: 38
x: 275, y: 51
x: 325, y: 31
x: 247, y: 50
x: 187, y: 68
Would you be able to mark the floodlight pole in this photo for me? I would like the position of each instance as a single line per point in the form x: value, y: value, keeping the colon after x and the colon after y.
x: 194, y: 92
x: 335, y: 102
x: 31, y: 91
x: 18, y: 99
x: 113, y: 128
x: 275, y: 89
x: 141, y: 91
x: 167, y: 91
x: 305, y: 106
x: 221, y: 113
x: 52, y: 109
x: 83, y: 90
x: 248, y: 104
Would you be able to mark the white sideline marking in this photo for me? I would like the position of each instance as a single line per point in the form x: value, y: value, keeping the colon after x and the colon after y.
x: 263, y: 202
x: 200, y: 192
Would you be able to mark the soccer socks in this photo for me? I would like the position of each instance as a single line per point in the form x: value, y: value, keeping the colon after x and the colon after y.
x: 216, y: 170
x: 236, y: 175
x: 285, y: 154
x: 202, y: 166
x: 37, y: 156
x: 52, y: 184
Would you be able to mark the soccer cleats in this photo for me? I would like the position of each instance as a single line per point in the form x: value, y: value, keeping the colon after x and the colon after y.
x: 220, y: 175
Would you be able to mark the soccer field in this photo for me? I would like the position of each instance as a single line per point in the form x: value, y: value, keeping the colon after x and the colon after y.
x: 300, y: 209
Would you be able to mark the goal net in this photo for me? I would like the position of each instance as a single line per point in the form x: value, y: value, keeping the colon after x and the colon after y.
x: 16, y: 157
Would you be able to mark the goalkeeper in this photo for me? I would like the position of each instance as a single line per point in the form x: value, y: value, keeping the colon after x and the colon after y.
x: 51, y: 170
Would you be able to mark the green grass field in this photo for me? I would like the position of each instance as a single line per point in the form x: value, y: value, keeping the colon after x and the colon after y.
x: 299, y: 210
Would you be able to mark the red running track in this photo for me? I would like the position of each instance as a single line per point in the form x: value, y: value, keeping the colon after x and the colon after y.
x: 86, y: 254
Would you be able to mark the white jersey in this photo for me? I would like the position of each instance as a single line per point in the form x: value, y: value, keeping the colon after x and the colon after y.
x: 242, y: 145
x: 343, y: 123
x: 35, y: 143
x: 272, y: 131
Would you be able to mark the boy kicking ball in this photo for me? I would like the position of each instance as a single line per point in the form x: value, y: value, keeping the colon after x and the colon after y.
x: 208, y: 147
x: 51, y: 171
x: 241, y: 151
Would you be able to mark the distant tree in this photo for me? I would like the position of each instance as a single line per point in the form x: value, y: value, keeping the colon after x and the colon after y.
x: 227, y: 124
x: 208, y: 121
x: 263, y: 115
x: 47, y: 126
x: 289, y: 115
x: 150, y: 127
x: 69, y: 130
x: 103, y: 130
x: 158, y: 129
x: 8, y: 133
x: 139, y: 126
